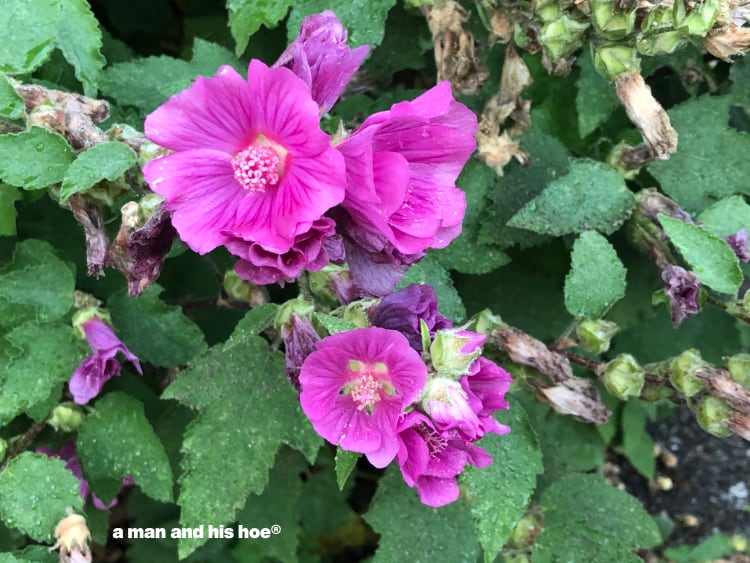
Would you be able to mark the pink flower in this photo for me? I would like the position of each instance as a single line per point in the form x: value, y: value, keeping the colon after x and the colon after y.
x: 401, y: 168
x: 89, y: 378
x: 431, y: 460
x: 485, y: 387
x: 320, y: 57
x: 447, y: 404
x: 355, y: 386
x: 69, y: 455
x: 310, y: 251
x: 250, y: 160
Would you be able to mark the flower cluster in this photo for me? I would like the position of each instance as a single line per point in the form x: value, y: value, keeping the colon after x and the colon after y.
x: 411, y: 388
x: 251, y: 169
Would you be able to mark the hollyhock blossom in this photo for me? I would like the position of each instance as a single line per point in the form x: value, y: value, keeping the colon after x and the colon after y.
x: 250, y: 161
x: 310, y: 251
x: 485, y: 389
x: 401, y: 168
x: 320, y: 57
x: 69, y: 455
x: 356, y: 385
x: 431, y: 460
x: 739, y: 243
x: 682, y: 288
x: 89, y: 378
x: 405, y: 309
x: 447, y: 404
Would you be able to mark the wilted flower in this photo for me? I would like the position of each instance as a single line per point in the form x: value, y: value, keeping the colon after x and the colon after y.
x: 68, y: 454
x: 739, y: 243
x: 73, y: 537
x: 300, y: 338
x: 682, y: 288
x: 147, y: 248
x: 250, y: 160
x: 89, y: 378
x: 355, y: 386
x: 430, y: 460
x: 320, y: 57
x: 405, y: 309
x: 311, y: 251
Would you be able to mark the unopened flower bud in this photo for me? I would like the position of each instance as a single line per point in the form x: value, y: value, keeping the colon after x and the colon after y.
x: 454, y: 350
x: 300, y: 339
x: 525, y: 532
x: 739, y: 368
x: 549, y: 12
x: 739, y: 543
x: 683, y: 373
x: 595, y: 336
x: 87, y: 314
x: 486, y: 321
x: 72, y: 539
x: 699, y: 20
x: 657, y: 18
x: 662, y: 43
x: 298, y: 306
x: 321, y: 286
x: 652, y: 393
x: 623, y: 377
x: 240, y: 289
x: 560, y: 37
x: 66, y: 417
x: 357, y: 312
x: 713, y: 416
x: 612, y: 60
x: 611, y: 22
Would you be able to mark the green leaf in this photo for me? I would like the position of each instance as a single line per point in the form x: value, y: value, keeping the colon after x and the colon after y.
x: 11, y: 103
x: 157, y: 333
x: 592, y: 196
x: 34, y: 159
x: 710, y: 257
x: 411, y: 531
x: 37, y: 286
x: 45, y: 356
x: 596, y: 279
x: 32, y: 554
x: 727, y: 217
x: 428, y: 272
x: 27, y: 34
x: 117, y: 440
x: 739, y: 72
x: 246, y: 17
x: 334, y: 324
x: 500, y: 493
x: 105, y: 161
x: 208, y: 57
x: 253, y: 323
x: 711, y: 159
x: 8, y: 197
x: 247, y: 410
x: 365, y: 19
x: 35, y: 491
x: 80, y: 40
x: 346, y: 461
x: 596, y: 97
x: 711, y: 549
x: 585, y: 519
x: 637, y: 444
x: 279, y: 505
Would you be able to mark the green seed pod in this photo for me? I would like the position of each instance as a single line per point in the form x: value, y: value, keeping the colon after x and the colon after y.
x: 562, y: 36
x: 739, y: 368
x: 610, y: 22
x: 683, y: 370
x: 699, y: 20
x: 524, y: 533
x: 356, y: 312
x: 659, y: 18
x: 66, y: 417
x: 486, y: 321
x: 549, y: 12
x: 623, y: 377
x: 595, y: 336
x: 298, y: 306
x: 660, y: 44
x: 611, y: 60
x: 713, y: 416
x: 651, y: 393
x: 521, y: 38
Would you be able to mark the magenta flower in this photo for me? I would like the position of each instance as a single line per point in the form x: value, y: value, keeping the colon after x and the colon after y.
x: 431, y: 460
x: 485, y: 388
x: 69, y: 455
x: 89, y: 378
x: 320, y: 57
x: 310, y: 251
x: 401, y: 168
x: 250, y: 160
x: 405, y: 309
x: 447, y: 403
x: 355, y: 386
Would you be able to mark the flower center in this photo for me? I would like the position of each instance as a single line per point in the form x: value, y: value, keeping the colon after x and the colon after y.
x: 370, y: 379
x: 435, y: 443
x: 260, y: 166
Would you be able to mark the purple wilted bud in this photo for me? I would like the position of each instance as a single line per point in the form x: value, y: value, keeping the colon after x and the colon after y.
x: 739, y: 243
x: 682, y: 288
x: 320, y: 57
x: 299, y: 340
x: 147, y: 249
x: 89, y: 378
x: 403, y: 311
